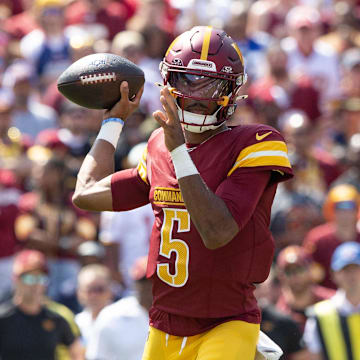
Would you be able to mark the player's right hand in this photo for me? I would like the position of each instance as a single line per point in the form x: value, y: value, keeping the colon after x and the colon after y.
x: 124, y: 107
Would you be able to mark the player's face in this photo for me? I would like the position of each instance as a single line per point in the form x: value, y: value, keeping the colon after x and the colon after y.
x: 199, y: 91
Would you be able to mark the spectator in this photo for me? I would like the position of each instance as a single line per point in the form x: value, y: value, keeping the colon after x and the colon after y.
x: 94, y: 293
x: 112, y: 15
x: 9, y: 198
x: 340, y: 209
x: 20, y: 24
x: 252, y: 47
x: 331, y: 332
x: 307, y: 58
x: 295, y: 214
x: 268, y: 16
x: 315, y: 168
x: 277, y: 85
x: 298, y: 284
x: 281, y: 328
x: 351, y: 77
x: 351, y: 176
x: 50, y: 224
x: 13, y: 145
x: 129, y: 317
x: 28, y: 114
x: 47, y: 48
x: 29, y: 329
x: 91, y: 252
x: 350, y: 104
x: 131, y: 45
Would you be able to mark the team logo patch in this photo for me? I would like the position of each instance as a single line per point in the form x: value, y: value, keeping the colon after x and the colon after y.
x: 48, y: 325
x: 177, y: 62
x: 227, y: 69
x: 168, y: 196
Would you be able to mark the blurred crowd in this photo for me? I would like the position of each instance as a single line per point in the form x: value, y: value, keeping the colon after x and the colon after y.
x: 302, y: 58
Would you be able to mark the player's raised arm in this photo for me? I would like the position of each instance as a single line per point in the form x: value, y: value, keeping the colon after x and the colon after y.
x: 93, y: 185
x: 208, y: 212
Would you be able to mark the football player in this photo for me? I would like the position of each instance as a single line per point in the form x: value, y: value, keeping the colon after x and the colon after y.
x: 211, y: 188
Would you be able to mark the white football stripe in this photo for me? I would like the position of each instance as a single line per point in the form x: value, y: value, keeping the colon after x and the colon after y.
x: 95, y: 78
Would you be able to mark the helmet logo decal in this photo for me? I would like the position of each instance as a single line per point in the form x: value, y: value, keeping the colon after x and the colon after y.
x: 234, y: 45
x: 171, y: 45
x: 177, y: 62
x: 202, y: 65
x: 206, y: 43
x: 227, y: 69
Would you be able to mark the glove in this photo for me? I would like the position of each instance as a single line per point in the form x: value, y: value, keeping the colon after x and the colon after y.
x: 266, y: 349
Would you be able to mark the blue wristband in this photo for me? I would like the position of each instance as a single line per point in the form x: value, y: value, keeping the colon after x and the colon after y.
x: 114, y: 120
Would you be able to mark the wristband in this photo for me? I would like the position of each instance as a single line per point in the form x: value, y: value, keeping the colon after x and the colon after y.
x: 110, y: 130
x: 183, y: 164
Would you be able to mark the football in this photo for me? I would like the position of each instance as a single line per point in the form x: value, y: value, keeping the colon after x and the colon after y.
x: 94, y: 80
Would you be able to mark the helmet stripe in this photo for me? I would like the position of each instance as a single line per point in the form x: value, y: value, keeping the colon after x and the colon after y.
x: 206, y: 43
x: 234, y: 45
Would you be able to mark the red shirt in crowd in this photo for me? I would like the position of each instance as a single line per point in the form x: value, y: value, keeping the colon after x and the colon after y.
x: 321, y: 243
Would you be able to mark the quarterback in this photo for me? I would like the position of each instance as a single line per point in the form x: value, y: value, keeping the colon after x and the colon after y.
x: 211, y: 188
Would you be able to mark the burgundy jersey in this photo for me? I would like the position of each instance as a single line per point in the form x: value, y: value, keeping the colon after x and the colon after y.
x: 320, y: 243
x: 190, y: 280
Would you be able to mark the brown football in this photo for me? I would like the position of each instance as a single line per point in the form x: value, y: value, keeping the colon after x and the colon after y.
x: 93, y: 81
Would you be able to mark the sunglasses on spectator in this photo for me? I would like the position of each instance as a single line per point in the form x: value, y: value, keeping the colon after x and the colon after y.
x: 31, y: 279
x: 51, y: 11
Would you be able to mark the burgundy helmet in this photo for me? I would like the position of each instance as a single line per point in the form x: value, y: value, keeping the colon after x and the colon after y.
x: 204, y: 64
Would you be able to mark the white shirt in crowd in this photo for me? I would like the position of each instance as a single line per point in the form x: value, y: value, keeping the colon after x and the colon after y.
x: 85, y: 322
x: 120, y: 331
x: 131, y: 231
x: 311, y: 336
x: 321, y: 66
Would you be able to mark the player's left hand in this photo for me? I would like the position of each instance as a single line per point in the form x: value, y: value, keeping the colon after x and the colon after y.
x: 169, y: 121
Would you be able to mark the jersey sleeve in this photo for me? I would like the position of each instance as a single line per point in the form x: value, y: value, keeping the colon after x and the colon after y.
x: 265, y: 150
x: 241, y: 193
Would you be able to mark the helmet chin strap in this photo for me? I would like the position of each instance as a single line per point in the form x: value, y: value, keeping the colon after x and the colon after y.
x: 198, y: 123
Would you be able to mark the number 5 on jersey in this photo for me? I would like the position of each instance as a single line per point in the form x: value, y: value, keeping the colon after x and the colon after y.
x: 169, y: 245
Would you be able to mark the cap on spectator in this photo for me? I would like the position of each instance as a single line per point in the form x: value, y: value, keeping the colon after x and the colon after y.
x: 91, y: 248
x: 292, y: 255
x: 126, y: 39
x: 351, y: 58
x: 342, y: 197
x: 302, y: 16
x: 49, y: 138
x: 138, y: 270
x: 345, y: 254
x: 29, y: 260
x: 7, y: 178
x: 16, y: 72
x: 39, y: 4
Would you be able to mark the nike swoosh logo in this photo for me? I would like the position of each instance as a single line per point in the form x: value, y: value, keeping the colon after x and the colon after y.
x: 263, y: 136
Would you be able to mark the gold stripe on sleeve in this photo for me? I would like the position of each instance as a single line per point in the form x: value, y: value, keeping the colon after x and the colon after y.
x: 142, y: 168
x: 265, y: 153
